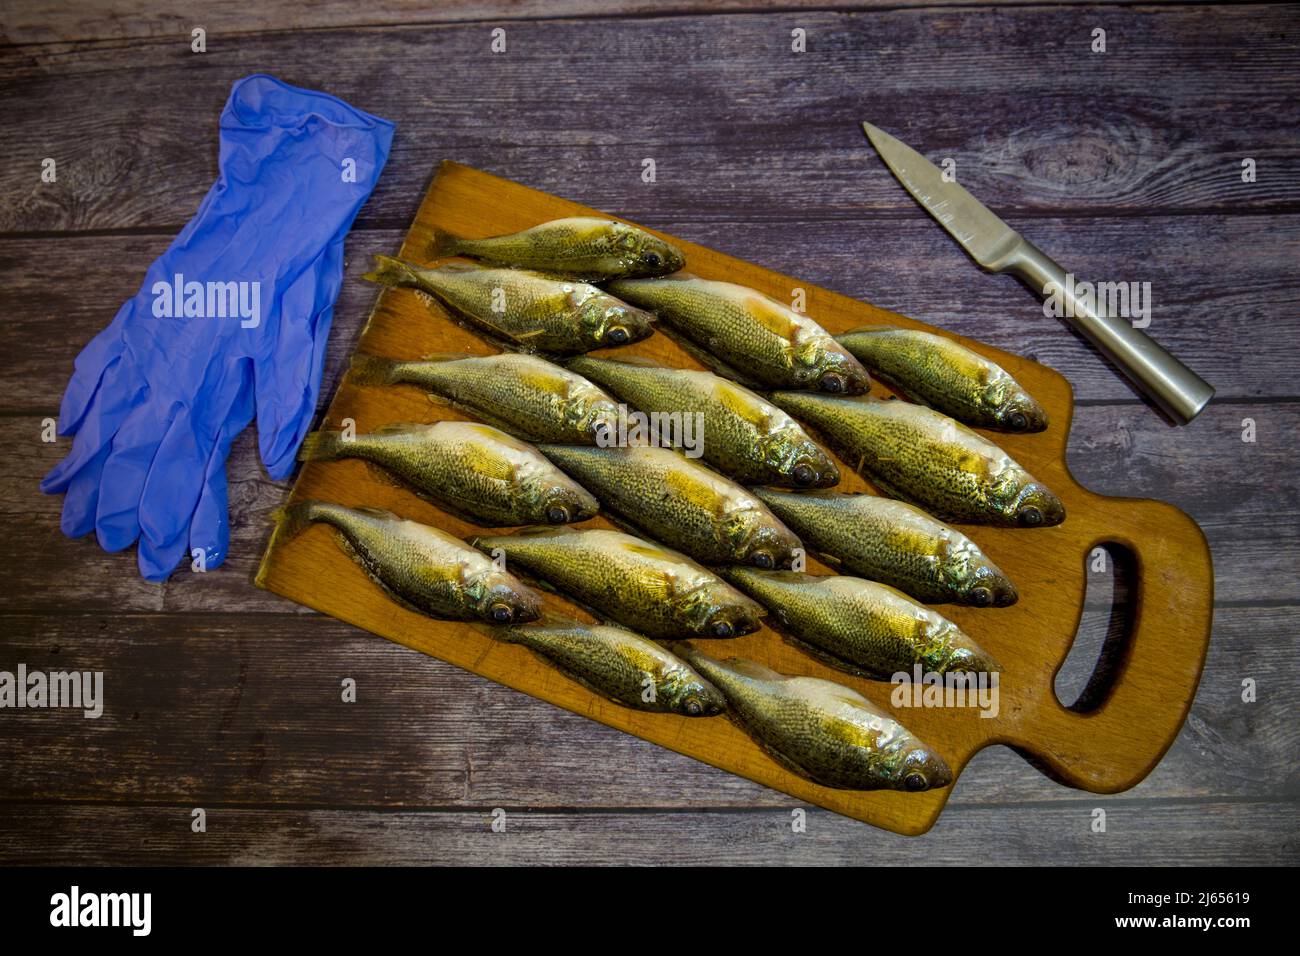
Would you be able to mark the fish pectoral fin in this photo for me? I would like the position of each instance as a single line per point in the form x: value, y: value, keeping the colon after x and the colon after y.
x: 483, y: 461
x: 752, y: 669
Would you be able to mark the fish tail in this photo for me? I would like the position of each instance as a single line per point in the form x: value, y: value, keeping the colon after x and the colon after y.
x: 443, y: 244
x: 293, y: 518
x: 394, y: 273
x: 372, y: 370
x: 321, y: 446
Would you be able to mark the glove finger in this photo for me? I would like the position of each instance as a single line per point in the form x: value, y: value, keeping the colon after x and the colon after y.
x: 82, y: 498
x: 156, y: 562
x: 120, y: 391
x: 179, y: 471
x: 210, y: 529
x: 117, y: 516
x: 288, y: 379
x: 100, y: 354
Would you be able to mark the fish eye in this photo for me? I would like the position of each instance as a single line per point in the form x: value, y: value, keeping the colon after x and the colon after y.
x: 832, y: 382
x: 693, y: 706
x: 981, y: 596
x: 803, y: 475
x: 501, y: 613
x: 915, y: 781
x: 761, y: 559
x: 1018, y: 421
x: 722, y: 629
x: 652, y: 260
x: 617, y: 335
x: 557, y: 514
x: 1030, y: 517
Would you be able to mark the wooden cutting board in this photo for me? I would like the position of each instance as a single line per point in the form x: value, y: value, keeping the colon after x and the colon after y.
x: 1108, y: 749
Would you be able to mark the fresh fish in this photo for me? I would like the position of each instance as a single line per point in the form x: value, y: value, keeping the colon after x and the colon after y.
x: 894, y: 543
x: 422, y: 567
x: 686, y: 505
x: 620, y: 665
x: 947, y: 376
x: 869, y: 627
x: 583, y: 247
x: 749, y: 438
x: 923, y: 456
x: 640, y: 585
x: 525, y: 395
x: 820, y: 730
x: 742, y: 334
x: 531, y: 311
x: 473, y: 471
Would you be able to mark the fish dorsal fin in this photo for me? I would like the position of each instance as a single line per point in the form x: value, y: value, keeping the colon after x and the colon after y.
x: 370, y: 511
x: 449, y: 356
x: 637, y: 361
x: 752, y: 669
x: 401, y: 428
x: 493, y: 433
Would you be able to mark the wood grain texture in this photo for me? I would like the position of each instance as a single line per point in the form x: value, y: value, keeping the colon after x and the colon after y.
x: 1234, y: 323
x: 1127, y: 165
x: 246, y: 710
x: 1107, y: 750
x: 1139, y: 832
x: 1253, y: 527
x: 1161, y: 122
x: 49, y: 21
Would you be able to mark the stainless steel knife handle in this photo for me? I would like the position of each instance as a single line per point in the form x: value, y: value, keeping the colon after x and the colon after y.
x: 1179, y: 391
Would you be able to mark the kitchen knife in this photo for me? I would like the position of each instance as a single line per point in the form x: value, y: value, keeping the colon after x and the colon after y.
x: 1179, y: 391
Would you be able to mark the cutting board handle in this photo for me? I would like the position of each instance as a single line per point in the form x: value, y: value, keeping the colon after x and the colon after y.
x: 1113, y: 746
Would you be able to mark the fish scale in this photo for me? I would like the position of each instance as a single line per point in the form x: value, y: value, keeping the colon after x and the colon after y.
x: 745, y: 437
x: 477, y: 471
x: 684, y: 504
x: 426, y: 568
x: 739, y: 332
x: 648, y: 588
x: 923, y: 456
x: 948, y: 377
x: 821, y: 730
x: 525, y: 395
x: 533, y: 312
x: 579, y: 246
x: 622, y: 666
x: 868, y: 626
x: 894, y: 543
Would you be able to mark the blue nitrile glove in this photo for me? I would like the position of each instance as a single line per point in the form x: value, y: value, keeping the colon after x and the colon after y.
x: 157, y: 399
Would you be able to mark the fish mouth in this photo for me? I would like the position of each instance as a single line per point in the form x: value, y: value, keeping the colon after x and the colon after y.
x: 1025, y: 417
x: 1037, y: 507
x: 814, y: 473
x: 971, y: 660
x: 924, y: 770
x: 991, y: 593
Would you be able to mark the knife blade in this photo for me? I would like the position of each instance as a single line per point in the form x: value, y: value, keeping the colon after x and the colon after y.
x: 1176, y: 389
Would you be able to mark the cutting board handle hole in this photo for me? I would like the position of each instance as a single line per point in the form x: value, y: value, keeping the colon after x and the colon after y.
x: 1092, y: 667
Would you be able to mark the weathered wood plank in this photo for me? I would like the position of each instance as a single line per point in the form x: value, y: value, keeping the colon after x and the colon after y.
x: 1222, y: 292
x: 1178, y: 834
x: 1162, y: 121
x: 1245, y: 496
x: 48, y: 21
x: 241, y: 709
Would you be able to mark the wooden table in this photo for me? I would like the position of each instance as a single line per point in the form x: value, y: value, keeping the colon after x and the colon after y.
x: 1127, y: 165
